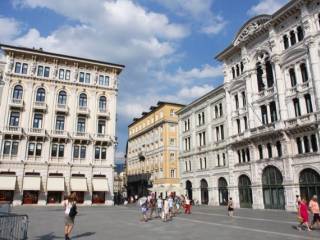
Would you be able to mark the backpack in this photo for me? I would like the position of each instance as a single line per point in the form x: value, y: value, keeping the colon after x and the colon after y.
x: 73, y: 211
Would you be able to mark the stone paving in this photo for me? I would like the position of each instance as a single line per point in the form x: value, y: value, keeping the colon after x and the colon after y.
x: 120, y: 223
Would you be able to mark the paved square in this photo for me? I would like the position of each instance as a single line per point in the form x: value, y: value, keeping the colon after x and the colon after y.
x: 119, y: 223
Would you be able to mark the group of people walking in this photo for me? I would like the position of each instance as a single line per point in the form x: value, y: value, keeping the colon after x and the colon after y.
x: 303, y: 209
x: 163, y: 208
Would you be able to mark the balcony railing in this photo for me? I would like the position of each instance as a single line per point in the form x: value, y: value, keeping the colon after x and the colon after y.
x: 12, y: 130
x: 83, y: 110
x: 59, y: 133
x: 302, y: 120
x: 62, y: 108
x: 81, y: 135
x: 40, y: 105
x: 18, y: 103
x: 37, y: 131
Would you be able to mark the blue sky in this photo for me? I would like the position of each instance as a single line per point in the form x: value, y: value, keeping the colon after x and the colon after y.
x: 168, y: 46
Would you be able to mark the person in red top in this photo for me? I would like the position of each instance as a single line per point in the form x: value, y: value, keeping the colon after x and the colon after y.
x: 303, y: 215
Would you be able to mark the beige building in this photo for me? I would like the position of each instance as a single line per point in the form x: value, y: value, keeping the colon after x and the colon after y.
x: 153, y: 148
x: 57, y: 127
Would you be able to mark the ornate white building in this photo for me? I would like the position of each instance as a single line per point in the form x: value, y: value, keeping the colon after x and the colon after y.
x: 272, y: 95
x: 57, y: 130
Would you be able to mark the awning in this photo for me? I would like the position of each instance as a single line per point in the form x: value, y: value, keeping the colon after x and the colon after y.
x: 100, y: 185
x: 31, y: 183
x: 8, y: 183
x: 78, y: 184
x: 55, y: 184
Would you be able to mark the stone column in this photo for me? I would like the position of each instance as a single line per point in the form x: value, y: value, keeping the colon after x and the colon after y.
x: 281, y: 89
x: 313, y: 52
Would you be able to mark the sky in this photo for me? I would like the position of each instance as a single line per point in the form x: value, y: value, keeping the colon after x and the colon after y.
x: 167, y: 46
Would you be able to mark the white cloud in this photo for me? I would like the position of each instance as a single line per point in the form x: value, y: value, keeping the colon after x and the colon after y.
x: 9, y: 28
x: 188, y: 77
x: 199, y: 11
x: 266, y: 7
x: 194, y: 92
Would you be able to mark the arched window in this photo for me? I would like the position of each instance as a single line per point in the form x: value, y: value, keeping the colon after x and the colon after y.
x: 245, y: 192
x: 189, y: 189
x: 309, y: 181
x: 300, y: 33
x: 238, y: 70
x: 259, y: 77
x: 204, y: 191
x: 285, y: 42
x: 233, y: 73
x: 304, y: 73
x: 41, y: 95
x: 269, y: 71
x: 223, y: 191
x: 17, y: 92
x: 102, y: 103
x: 83, y: 100
x: 62, y: 98
x: 293, y: 38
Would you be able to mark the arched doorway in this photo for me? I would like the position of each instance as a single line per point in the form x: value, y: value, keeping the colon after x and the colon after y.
x: 189, y: 189
x: 204, y: 192
x: 273, y: 192
x: 245, y: 192
x: 223, y: 191
x: 309, y: 181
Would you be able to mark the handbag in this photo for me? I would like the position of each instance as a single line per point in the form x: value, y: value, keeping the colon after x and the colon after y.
x: 73, y: 211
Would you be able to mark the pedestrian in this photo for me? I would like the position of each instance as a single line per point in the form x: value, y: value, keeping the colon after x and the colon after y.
x: 314, y: 209
x: 170, y: 202
x: 165, y: 212
x: 298, y: 200
x: 230, y: 207
x: 159, y: 206
x: 178, y: 204
x: 303, y: 215
x: 143, y: 202
x: 187, y: 205
x: 151, y: 205
x: 70, y: 211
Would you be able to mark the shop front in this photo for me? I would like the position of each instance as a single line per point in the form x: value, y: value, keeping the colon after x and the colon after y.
x: 7, y: 187
x: 99, y: 189
x: 79, y: 186
x: 55, y: 189
x: 31, y: 188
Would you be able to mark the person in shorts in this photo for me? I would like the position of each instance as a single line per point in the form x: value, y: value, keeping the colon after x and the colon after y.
x: 314, y: 209
x: 68, y: 221
x: 230, y: 207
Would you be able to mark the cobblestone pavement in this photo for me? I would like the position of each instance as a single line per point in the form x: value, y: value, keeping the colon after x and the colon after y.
x: 122, y: 223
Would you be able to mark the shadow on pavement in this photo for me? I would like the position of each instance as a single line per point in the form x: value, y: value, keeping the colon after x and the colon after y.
x: 52, y: 236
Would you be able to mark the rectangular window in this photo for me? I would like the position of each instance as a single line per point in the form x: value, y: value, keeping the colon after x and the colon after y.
x: 239, y: 126
x: 6, y: 147
x: 236, y: 100
x: 61, y: 150
x: 243, y: 152
x: 67, y: 76
x: 222, y: 132
x: 103, y: 153
x: 37, y: 120
x: 14, y: 148
x: 172, y: 141
x: 314, y: 143
x: 279, y: 148
x: 269, y: 149
x: 260, y: 149
x: 17, y: 68
x: 38, y: 149
x: 24, y: 68
x: 293, y: 78
x: 244, y: 101
x: 54, y: 150
x: 31, y: 149
x: 61, y: 74
x: 218, y: 160
x: 306, y: 144
x: 76, y: 150
x: 40, y: 71
x: 273, y: 112
x: 83, y: 152
x: 81, y: 77
x: 97, y: 153
x: 245, y: 123
x: 239, y: 156
x: 46, y: 72
x: 81, y: 126
x: 220, y: 110
x: 307, y: 98
x: 101, y: 126
x: 60, y: 123
x: 217, y: 133
x: 14, y: 119
x: 296, y: 105
x: 299, y: 145
x: 264, y: 115
x: 87, y: 77
x: 224, y: 159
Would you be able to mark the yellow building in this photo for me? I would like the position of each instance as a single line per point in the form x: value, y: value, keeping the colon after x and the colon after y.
x: 152, y: 161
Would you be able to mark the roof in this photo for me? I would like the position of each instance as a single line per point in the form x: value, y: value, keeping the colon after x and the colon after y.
x: 42, y: 52
x: 200, y: 99
x: 153, y: 108
x: 254, y: 25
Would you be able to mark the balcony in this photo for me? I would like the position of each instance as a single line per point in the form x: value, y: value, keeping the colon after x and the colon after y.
x: 102, y: 112
x: 102, y: 137
x: 38, y: 132
x: 16, y: 103
x: 13, y: 130
x: 59, y: 134
x: 84, y: 110
x: 81, y: 136
x: 62, y: 108
x: 302, y: 120
x: 40, y: 106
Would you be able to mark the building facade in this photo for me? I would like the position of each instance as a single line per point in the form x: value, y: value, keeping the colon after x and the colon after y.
x: 152, y: 151
x: 272, y: 96
x: 57, y: 127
